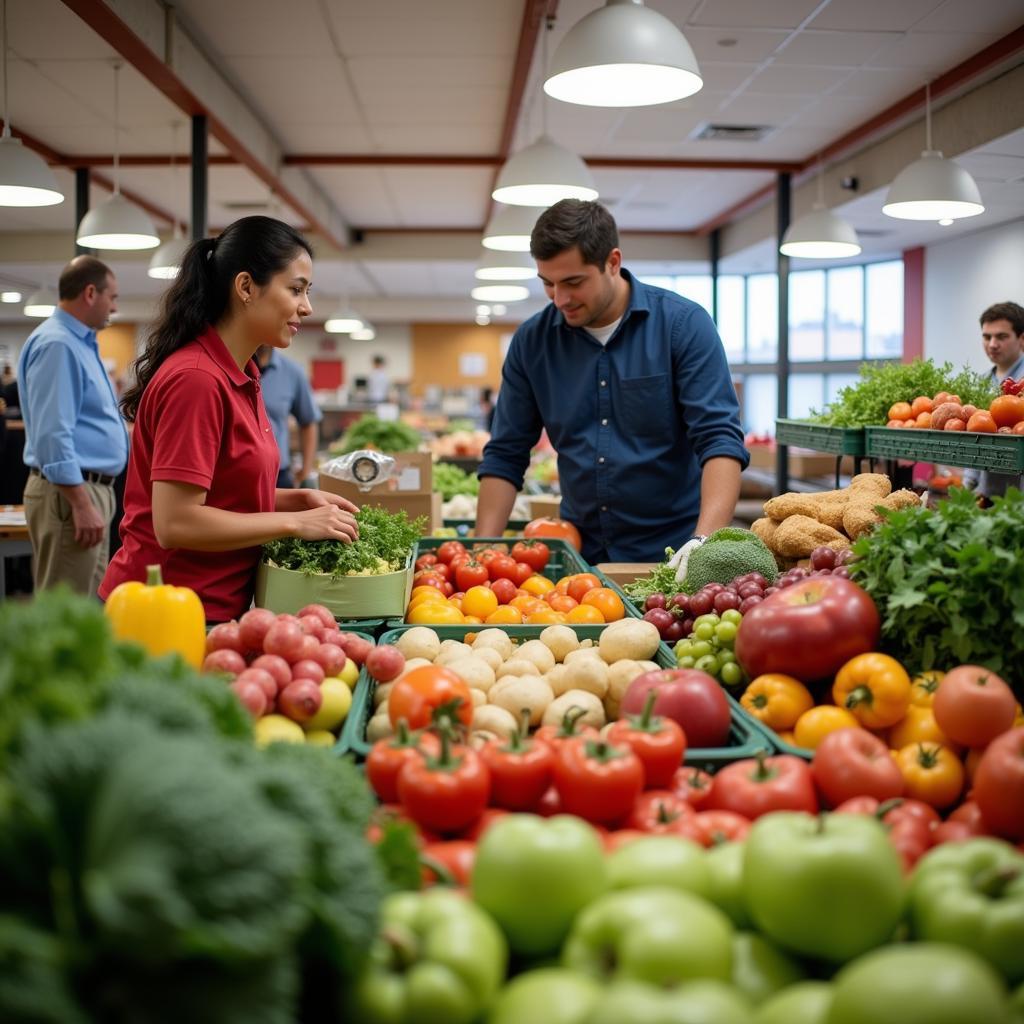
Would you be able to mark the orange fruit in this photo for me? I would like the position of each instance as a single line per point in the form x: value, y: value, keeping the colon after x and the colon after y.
x: 526, y: 604
x: 585, y: 613
x: 538, y: 586
x: 544, y: 617
x: 982, y: 422
x: 954, y: 424
x: 505, y: 615
x: 563, y: 603
x: 580, y: 584
x: 921, y: 404
x: 606, y: 601
x: 1007, y: 410
x: 899, y: 411
x: 924, y: 420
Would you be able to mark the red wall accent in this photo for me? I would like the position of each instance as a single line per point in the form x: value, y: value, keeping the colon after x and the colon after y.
x: 327, y: 374
x: 913, y: 304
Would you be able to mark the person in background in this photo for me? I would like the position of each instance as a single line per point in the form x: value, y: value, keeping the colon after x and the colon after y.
x: 286, y: 392
x: 486, y: 408
x: 1002, y: 338
x: 632, y: 384
x: 378, y: 383
x: 6, y: 376
x: 75, y: 440
x: 201, y: 495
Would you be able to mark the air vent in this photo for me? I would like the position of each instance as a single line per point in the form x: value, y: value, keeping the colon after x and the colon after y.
x: 246, y: 204
x: 732, y: 132
x: 873, y: 232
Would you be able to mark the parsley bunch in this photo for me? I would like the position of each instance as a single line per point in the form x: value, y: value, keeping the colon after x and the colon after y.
x: 385, y: 542
x: 881, y: 385
x: 949, y: 585
x: 662, y: 580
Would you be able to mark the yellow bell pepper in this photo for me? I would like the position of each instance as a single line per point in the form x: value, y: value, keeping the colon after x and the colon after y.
x: 160, y: 617
x: 875, y: 688
x: 777, y: 700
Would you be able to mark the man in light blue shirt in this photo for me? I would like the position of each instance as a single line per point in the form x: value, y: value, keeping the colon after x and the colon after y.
x: 75, y: 440
x: 286, y: 392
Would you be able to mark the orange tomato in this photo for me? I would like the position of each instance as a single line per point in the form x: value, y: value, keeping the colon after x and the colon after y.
x: 982, y: 422
x: 918, y: 725
x: 1018, y: 428
x: 814, y: 725
x: 910, y: 423
x: 585, y: 613
x: 924, y: 420
x: 1007, y: 410
x: 479, y: 601
x: 545, y: 617
x: 562, y: 602
x: 921, y: 404
x: 538, y: 586
x: 505, y: 614
x: 932, y: 773
x: 607, y: 602
x: 923, y: 687
x: 954, y: 424
x: 561, y: 529
x: 899, y: 411
x: 473, y: 620
x: 580, y: 584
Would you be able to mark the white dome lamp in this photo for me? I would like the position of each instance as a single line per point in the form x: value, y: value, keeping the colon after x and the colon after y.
x: 820, y: 234
x: 25, y: 179
x: 117, y: 223
x: 932, y: 188
x: 623, y: 55
x: 344, y: 320
x: 505, y: 266
x: 510, y: 227
x: 40, y: 304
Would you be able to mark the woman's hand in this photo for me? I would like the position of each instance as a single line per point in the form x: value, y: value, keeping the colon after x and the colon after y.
x: 298, y: 499
x: 327, y: 521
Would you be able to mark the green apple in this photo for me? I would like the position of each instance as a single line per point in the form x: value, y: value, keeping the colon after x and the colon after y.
x: 550, y: 995
x: 658, y: 935
x: 660, y: 860
x: 725, y: 869
x: 806, y: 1002
x: 760, y: 969
x: 693, y: 1002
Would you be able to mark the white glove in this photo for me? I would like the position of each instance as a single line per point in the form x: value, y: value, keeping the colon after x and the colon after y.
x: 681, y: 559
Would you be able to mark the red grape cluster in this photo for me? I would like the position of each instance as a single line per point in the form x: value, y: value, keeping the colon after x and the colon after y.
x: 824, y: 562
x: 674, y: 615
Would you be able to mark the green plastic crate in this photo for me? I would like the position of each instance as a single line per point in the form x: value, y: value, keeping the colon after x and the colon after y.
x: 339, y: 747
x: 370, y: 628
x: 1002, y: 453
x: 820, y: 438
x: 780, y: 745
x: 745, y: 738
x: 564, y: 560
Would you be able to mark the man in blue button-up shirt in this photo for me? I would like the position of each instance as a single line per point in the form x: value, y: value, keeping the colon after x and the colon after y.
x: 633, y: 387
x: 286, y: 392
x: 75, y: 440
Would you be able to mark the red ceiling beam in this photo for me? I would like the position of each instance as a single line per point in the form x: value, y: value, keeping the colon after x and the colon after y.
x: 113, y: 30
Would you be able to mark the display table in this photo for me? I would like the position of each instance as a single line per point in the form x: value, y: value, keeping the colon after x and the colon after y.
x: 13, y: 540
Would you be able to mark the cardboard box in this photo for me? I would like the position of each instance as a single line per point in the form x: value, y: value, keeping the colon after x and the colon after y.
x: 414, y: 505
x: 414, y: 474
x: 347, y: 597
x: 626, y: 572
x: 803, y: 463
x: 545, y: 505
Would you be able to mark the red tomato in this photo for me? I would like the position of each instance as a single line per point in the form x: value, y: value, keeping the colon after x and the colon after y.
x: 504, y: 590
x: 596, y: 781
x: 562, y: 529
x: 713, y: 828
x: 502, y: 567
x: 973, y: 705
x: 521, y: 573
x: 808, y: 630
x: 447, y: 793
x: 659, y: 811
x: 426, y: 561
x: 387, y: 756
x: 476, y: 831
x: 999, y: 785
x: 470, y: 574
x: 855, y: 762
x: 535, y: 553
x: 429, y: 578
x: 969, y: 814
x: 756, y: 786
x: 417, y: 695
x: 659, y: 742
x: 568, y: 729
x: 520, y: 771
x: 449, y: 549
x: 693, y: 785
x: 449, y: 862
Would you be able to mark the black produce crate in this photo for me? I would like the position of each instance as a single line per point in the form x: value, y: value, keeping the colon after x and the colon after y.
x: 820, y: 438
x: 1002, y: 453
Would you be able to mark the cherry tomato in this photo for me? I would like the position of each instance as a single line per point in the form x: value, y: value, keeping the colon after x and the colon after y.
x: 521, y: 573
x: 426, y: 561
x: 693, y: 785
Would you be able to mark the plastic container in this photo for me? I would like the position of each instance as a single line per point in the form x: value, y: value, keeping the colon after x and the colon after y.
x: 339, y: 746
x: 745, y: 737
x: 564, y: 560
x: 820, y: 438
x: 1001, y: 453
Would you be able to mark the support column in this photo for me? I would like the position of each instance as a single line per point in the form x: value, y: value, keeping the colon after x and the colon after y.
x: 200, y: 189
x: 782, y: 209
x: 715, y: 252
x: 81, y: 203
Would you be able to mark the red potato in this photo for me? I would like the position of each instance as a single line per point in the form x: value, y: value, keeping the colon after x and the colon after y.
x: 332, y: 657
x: 311, y: 624
x: 253, y: 626
x: 251, y: 695
x: 226, y: 636
x: 321, y: 612
x: 300, y: 700
x: 276, y: 666
x: 224, y: 660
x: 307, y: 668
x: 285, y: 640
x: 385, y: 663
x: 263, y: 679
x: 357, y: 648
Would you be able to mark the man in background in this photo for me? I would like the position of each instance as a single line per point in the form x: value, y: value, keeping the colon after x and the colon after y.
x: 378, y: 383
x: 286, y: 392
x: 76, y: 444
x: 1002, y: 337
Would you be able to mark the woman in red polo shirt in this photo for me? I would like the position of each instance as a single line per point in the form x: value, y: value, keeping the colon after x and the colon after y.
x: 201, y: 493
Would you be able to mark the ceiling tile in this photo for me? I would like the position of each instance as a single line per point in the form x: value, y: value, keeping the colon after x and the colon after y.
x: 874, y: 15
x: 932, y: 52
x: 1008, y: 145
x: 957, y: 16
x: 884, y: 85
x: 325, y: 95
x: 755, y: 13
x: 751, y: 45
x: 751, y: 108
x: 992, y: 166
x: 833, y: 49
x: 725, y: 77
x: 797, y: 81
x: 257, y: 29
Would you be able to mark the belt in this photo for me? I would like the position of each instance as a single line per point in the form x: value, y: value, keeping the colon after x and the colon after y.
x: 88, y: 475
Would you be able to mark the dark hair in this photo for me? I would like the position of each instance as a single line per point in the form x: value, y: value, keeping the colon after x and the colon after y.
x: 81, y: 272
x: 199, y: 296
x: 1005, y: 311
x: 572, y: 222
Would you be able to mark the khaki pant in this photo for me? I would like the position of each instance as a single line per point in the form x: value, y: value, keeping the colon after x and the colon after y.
x: 56, y: 555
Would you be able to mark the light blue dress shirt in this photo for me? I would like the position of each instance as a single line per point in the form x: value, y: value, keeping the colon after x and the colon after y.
x: 286, y: 391
x: 72, y: 423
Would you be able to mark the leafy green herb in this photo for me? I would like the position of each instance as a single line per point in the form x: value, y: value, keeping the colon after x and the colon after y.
x: 662, y: 580
x: 949, y: 584
x: 384, y: 435
x: 867, y: 403
x: 451, y: 480
x: 385, y: 542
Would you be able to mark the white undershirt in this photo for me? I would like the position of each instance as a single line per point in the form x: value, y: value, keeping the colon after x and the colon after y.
x: 602, y: 334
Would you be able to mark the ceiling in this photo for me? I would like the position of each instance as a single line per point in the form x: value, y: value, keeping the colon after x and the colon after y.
x: 381, y: 127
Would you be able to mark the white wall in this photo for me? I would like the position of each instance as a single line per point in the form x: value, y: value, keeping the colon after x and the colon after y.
x: 961, y: 278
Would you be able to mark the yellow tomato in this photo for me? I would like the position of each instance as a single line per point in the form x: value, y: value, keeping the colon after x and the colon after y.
x: 440, y: 613
x: 932, y: 773
x: 814, y: 725
x: 505, y: 614
x: 875, y: 687
x: 479, y: 601
x: 923, y: 687
x: 918, y: 725
x: 545, y: 617
x: 538, y: 585
x: 584, y: 614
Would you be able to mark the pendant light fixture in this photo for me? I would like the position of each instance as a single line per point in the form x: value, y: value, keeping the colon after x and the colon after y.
x: 623, y: 55
x: 505, y: 266
x: 40, y: 304
x: 545, y: 172
x: 344, y: 320
x: 510, y: 227
x: 820, y: 234
x: 932, y: 188
x: 117, y: 223
x: 165, y: 263
x: 25, y: 179
x: 365, y: 333
x: 500, y: 293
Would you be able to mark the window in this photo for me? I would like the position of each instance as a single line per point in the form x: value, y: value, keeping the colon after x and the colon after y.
x: 846, y: 313
x: 760, y: 403
x: 762, y: 318
x: 885, y: 310
x: 807, y: 316
x: 732, y: 315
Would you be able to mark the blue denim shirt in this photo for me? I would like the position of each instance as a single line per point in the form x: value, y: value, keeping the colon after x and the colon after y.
x: 633, y: 421
x: 72, y: 422
x: 286, y: 391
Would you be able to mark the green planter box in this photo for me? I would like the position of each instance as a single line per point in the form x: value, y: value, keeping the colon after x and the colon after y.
x: 1001, y: 453
x: 820, y: 438
x: 745, y: 737
x: 347, y: 597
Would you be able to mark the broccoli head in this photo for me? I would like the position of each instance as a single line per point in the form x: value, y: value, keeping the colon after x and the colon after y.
x: 726, y: 554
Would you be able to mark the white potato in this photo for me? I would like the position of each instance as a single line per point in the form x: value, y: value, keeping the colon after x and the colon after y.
x: 590, y: 674
x: 494, y: 719
x: 489, y: 654
x: 560, y: 640
x: 537, y: 652
x: 522, y: 693
x: 629, y: 638
x: 419, y: 642
x: 496, y: 638
x: 452, y: 650
x: 517, y: 667
x: 593, y: 708
x: 474, y: 672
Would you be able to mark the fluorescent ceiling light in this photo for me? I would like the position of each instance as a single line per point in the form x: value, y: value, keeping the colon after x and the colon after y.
x: 509, y: 229
x: 166, y: 261
x: 40, y: 304
x: 10, y: 296
x: 344, y: 320
x: 821, y: 235
x: 543, y: 174
x: 623, y: 55
x: 500, y: 293
x: 366, y: 333
x: 505, y: 266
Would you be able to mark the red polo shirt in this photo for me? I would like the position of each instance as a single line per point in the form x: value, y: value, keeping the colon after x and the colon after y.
x: 201, y: 421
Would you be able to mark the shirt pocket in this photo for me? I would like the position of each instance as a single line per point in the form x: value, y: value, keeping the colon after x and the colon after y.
x: 643, y: 404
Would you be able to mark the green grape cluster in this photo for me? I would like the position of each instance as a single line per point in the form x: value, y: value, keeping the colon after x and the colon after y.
x: 710, y: 647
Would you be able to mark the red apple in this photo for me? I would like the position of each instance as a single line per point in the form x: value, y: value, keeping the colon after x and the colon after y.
x: 300, y: 700
x: 224, y: 660
x: 808, y: 630
x: 277, y: 667
x: 307, y: 668
x: 688, y: 696
x: 263, y: 679
x: 357, y: 648
x: 385, y: 663
x: 323, y: 614
x: 225, y: 637
x: 251, y: 694
x: 253, y: 626
x: 332, y: 657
